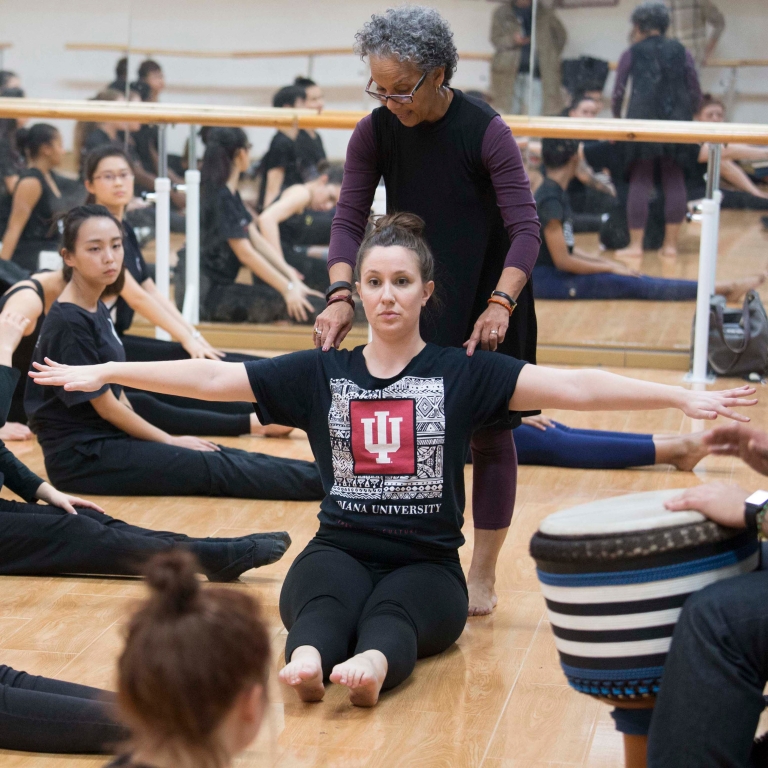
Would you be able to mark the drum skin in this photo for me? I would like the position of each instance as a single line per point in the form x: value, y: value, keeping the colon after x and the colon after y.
x: 613, y: 599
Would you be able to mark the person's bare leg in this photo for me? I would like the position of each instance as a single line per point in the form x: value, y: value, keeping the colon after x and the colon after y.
x: 268, y: 430
x: 304, y: 673
x: 635, y: 751
x: 735, y: 290
x: 363, y: 674
x: 481, y: 580
x: 635, y: 248
x: 671, y: 240
x: 683, y: 452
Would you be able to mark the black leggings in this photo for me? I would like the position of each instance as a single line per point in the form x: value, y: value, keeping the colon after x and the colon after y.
x: 41, y: 540
x: 38, y: 714
x: 125, y: 466
x: 343, y: 606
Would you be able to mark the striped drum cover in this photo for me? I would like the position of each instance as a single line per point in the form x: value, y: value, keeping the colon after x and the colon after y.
x: 615, y: 574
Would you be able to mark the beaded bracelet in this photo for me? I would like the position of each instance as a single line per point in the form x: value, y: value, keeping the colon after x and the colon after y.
x: 338, y: 297
x: 501, y: 303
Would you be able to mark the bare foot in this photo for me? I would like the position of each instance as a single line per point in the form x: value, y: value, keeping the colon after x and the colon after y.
x: 683, y: 452
x: 364, y: 675
x: 630, y: 252
x: 668, y: 252
x: 268, y: 430
x: 304, y: 673
x: 736, y: 289
x: 482, y: 596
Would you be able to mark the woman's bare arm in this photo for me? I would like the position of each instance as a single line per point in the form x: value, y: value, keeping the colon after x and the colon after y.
x: 25, y: 197
x: 123, y: 417
x: 294, y: 200
x: 274, y: 182
x: 574, y: 262
x: 592, y: 390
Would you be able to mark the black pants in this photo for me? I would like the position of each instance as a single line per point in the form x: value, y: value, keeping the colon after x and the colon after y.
x: 38, y: 714
x: 342, y: 606
x: 712, y: 692
x: 124, y: 466
x: 41, y: 540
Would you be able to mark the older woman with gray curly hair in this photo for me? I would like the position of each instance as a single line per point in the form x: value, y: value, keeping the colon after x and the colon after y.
x: 451, y: 160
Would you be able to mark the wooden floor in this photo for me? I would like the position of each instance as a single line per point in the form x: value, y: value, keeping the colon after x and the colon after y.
x: 497, y: 699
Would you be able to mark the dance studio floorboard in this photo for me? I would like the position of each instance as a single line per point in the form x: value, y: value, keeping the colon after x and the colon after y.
x: 660, y: 325
x: 497, y: 699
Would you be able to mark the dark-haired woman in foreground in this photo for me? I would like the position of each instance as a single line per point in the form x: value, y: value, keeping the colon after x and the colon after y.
x: 192, y: 678
x: 230, y: 239
x: 36, y: 198
x: 96, y: 443
x: 390, y: 424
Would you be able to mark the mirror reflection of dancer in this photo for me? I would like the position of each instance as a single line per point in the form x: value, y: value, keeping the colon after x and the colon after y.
x: 452, y: 161
x: 390, y: 424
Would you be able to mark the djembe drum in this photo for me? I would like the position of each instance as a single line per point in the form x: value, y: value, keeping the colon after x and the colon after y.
x: 615, y: 574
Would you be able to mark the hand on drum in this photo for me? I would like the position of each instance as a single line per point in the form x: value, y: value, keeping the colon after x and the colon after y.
x: 710, y: 405
x: 332, y: 325
x: 490, y: 329
x: 750, y: 445
x: 721, y: 503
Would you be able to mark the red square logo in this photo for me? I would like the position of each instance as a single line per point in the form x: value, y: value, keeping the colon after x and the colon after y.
x: 383, y: 436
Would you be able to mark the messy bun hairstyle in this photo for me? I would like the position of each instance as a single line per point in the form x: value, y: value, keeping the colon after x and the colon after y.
x: 189, y: 653
x: 403, y: 229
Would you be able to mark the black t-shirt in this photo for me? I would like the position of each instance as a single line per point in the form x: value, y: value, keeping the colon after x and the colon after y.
x: 309, y: 152
x: 552, y: 205
x: 282, y: 153
x: 146, y: 141
x: 391, y: 452
x: 223, y: 217
x: 120, y: 311
x: 73, y: 336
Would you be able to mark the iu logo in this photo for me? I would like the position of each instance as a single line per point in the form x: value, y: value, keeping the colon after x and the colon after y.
x: 383, y: 437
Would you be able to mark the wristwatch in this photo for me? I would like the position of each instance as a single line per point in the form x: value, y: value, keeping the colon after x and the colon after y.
x: 755, y: 508
x: 339, y: 285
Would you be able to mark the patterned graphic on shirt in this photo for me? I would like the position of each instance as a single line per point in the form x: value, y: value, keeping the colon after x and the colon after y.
x: 373, y: 437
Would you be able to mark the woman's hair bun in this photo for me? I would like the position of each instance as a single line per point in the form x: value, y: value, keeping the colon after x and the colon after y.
x: 403, y: 220
x: 172, y: 577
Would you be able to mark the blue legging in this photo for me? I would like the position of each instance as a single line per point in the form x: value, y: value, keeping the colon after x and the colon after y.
x: 552, y: 283
x: 583, y: 448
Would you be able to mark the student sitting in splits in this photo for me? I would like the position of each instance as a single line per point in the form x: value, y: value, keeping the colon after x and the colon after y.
x: 97, y: 443
x: 230, y: 240
x: 564, y: 271
x: 390, y: 424
x: 109, y: 180
x: 296, y: 227
x: 69, y: 535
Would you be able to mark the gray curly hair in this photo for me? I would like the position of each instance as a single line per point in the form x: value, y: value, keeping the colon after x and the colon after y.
x: 411, y: 33
x: 651, y: 17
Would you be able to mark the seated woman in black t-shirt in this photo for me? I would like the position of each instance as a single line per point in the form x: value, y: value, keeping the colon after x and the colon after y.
x: 564, y: 271
x: 97, y: 443
x: 230, y: 240
x: 298, y: 225
x: 390, y: 424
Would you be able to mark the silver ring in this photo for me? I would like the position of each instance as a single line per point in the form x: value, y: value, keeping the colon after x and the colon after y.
x: 318, y: 332
x: 495, y: 332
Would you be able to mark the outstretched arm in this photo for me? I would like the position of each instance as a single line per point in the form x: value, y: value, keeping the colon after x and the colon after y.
x: 201, y: 379
x: 591, y: 390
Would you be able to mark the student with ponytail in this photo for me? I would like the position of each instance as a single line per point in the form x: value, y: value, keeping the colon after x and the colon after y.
x: 98, y: 443
x: 230, y: 239
x: 381, y: 584
x: 192, y: 678
x: 36, y: 198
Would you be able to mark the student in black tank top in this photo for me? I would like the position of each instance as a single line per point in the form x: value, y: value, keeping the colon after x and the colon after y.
x: 453, y: 161
x: 36, y: 199
x: 390, y: 425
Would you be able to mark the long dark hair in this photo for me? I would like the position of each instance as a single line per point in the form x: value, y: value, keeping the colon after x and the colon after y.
x: 189, y: 653
x: 71, y: 224
x: 31, y: 141
x: 221, y: 146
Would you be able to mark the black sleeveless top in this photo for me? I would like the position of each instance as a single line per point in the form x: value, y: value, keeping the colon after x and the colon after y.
x: 36, y: 235
x: 22, y: 357
x: 436, y: 170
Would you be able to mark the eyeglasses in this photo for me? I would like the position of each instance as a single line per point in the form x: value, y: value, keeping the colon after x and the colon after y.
x: 111, y: 178
x: 405, y: 98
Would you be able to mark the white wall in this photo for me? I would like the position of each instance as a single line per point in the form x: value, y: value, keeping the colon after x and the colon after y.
x: 38, y: 30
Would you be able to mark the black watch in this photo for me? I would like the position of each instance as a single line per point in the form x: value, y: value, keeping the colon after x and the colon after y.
x: 339, y: 285
x: 753, y: 506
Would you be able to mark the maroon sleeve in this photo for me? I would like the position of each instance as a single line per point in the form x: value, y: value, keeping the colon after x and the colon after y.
x: 361, y: 177
x: 501, y: 156
x: 620, y: 85
x: 692, y: 81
